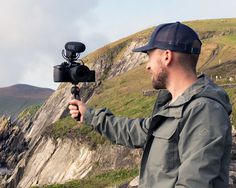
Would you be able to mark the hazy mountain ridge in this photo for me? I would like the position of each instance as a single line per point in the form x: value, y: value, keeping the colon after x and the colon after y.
x: 14, y: 99
x: 121, y: 81
x: 25, y: 91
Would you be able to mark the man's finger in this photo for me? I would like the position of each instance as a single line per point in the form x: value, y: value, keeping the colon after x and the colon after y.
x: 74, y: 115
x: 76, y: 111
x: 75, y: 101
x: 72, y: 107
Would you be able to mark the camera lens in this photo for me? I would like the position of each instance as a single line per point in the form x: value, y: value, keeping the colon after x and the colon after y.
x: 79, y: 73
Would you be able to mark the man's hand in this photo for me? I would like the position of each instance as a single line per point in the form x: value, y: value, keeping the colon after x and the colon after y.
x: 77, y: 107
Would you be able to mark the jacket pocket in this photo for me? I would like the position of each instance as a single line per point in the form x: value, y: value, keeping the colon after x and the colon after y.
x: 164, y: 150
x: 167, y: 130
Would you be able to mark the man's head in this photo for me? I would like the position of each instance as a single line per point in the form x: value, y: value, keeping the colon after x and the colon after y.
x: 175, y: 37
x: 172, y: 45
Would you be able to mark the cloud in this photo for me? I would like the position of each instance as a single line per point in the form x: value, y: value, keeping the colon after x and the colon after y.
x: 33, y: 34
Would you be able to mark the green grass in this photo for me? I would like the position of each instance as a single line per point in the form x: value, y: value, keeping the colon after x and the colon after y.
x: 224, y: 70
x: 107, y: 179
x: 232, y: 94
x: 123, y: 95
x: 28, y: 112
x: 213, y: 24
x: 227, y: 48
x: 63, y: 127
x: 69, y: 128
x: 228, y: 39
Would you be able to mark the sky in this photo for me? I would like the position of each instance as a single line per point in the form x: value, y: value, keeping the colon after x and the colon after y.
x: 34, y: 32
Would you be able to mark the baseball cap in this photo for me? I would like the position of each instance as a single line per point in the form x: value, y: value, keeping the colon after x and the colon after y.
x: 175, y: 37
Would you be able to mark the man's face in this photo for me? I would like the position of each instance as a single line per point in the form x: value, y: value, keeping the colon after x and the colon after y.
x: 157, y: 69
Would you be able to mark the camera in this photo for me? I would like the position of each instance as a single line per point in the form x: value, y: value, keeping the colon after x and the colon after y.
x: 72, y: 71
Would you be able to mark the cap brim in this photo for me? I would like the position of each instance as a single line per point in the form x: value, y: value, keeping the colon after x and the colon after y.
x: 143, y: 49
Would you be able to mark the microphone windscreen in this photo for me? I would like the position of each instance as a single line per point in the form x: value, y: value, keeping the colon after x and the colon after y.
x: 76, y: 47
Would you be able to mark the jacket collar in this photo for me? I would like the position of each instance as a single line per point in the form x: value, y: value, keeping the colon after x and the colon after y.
x: 175, y: 109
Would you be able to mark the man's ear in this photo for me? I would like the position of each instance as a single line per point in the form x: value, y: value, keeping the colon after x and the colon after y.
x: 167, y: 57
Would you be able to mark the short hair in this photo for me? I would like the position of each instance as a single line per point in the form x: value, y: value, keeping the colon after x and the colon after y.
x: 188, y: 61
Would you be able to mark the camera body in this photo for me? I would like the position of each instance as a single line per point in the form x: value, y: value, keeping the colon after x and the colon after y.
x: 72, y: 71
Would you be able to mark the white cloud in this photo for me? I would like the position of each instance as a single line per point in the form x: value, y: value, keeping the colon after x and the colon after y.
x: 33, y: 34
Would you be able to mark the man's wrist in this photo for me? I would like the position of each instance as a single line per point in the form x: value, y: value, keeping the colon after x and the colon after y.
x: 88, y: 116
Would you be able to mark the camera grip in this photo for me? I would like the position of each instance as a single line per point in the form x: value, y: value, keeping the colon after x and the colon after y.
x: 75, y: 93
x: 79, y: 115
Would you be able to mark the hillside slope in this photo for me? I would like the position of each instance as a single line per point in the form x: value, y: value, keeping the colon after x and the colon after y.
x: 124, y: 93
x: 15, y: 98
x: 56, y: 150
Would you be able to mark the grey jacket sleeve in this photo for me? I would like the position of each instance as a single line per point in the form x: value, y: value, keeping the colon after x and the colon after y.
x: 204, y: 146
x: 120, y: 130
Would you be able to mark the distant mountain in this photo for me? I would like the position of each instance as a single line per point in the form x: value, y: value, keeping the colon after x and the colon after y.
x: 14, y: 99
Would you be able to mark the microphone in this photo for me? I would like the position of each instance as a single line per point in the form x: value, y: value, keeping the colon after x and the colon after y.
x: 75, y: 47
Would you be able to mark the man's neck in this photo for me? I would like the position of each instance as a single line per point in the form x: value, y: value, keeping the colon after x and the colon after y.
x: 179, y: 83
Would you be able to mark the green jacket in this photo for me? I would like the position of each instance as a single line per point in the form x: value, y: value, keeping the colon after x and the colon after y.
x: 186, y: 143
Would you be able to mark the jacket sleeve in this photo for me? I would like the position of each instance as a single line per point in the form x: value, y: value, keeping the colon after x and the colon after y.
x: 204, y: 146
x: 120, y: 130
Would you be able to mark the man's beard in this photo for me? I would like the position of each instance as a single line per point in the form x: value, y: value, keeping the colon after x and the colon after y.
x: 161, y: 80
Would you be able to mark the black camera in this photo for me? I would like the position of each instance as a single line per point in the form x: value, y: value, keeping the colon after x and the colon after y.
x: 72, y: 71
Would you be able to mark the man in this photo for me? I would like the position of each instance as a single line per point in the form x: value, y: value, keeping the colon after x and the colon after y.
x: 187, y: 141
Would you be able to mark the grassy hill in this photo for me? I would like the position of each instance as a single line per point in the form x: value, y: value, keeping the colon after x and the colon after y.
x: 218, y: 37
x: 124, y: 94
